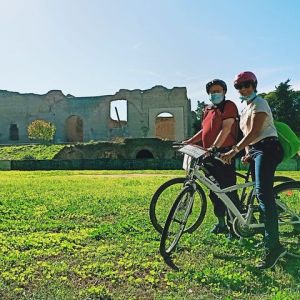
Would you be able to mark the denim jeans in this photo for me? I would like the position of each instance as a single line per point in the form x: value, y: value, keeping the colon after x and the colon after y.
x: 266, y: 155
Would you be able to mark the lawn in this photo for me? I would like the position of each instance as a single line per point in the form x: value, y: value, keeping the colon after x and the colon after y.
x: 87, y: 235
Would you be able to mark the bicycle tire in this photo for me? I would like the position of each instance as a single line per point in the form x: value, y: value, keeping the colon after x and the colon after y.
x: 287, y: 197
x: 179, y: 214
x: 282, y: 179
x: 278, y: 180
x: 158, y: 219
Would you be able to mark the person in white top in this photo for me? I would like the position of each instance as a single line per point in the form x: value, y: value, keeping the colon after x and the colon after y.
x: 264, y: 153
x: 258, y: 105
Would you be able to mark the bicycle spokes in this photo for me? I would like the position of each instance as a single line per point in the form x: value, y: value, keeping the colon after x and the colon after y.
x: 287, y: 202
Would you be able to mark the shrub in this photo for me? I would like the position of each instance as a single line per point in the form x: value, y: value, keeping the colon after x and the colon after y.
x: 41, y: 130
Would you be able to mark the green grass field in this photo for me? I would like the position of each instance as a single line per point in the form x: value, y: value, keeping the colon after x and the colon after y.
x: 87, y: 235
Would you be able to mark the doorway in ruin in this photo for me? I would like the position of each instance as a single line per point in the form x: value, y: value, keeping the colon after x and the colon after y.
x: 74, y: 129
x: 144, y: 154
x: 13, y: 132
x: 165, y: 126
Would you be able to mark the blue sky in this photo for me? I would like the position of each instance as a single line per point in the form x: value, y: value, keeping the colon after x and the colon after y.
x: 96, y: 47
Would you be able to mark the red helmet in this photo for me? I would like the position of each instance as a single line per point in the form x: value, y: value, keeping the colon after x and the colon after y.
x: 245, y: 76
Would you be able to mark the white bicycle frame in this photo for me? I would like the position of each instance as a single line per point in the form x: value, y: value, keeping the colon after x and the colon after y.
x: 196, y: 152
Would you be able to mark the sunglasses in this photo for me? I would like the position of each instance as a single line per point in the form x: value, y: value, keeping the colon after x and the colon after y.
x: 245, y: 84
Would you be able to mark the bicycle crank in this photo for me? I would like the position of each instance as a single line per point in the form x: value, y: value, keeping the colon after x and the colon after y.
x: 243, y: 230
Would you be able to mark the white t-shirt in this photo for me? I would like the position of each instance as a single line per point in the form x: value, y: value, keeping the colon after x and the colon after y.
x: 258, y: 105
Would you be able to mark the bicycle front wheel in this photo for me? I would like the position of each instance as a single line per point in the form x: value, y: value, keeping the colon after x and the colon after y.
x: 287, y: 197
x: 178, y: 219
x: 163, y: 200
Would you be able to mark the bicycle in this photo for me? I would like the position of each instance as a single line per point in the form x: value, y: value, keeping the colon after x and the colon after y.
x: 245, y: 224
x: 167, y: 192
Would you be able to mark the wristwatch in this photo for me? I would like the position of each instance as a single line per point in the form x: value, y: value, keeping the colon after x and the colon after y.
x: 213, y: 148
x: 235, y: 149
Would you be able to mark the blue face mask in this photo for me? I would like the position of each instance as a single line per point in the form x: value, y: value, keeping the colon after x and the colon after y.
x: 248, y: 98
x: 216, y: 98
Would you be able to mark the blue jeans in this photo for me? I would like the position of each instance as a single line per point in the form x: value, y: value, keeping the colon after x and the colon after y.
x: 266, y: 155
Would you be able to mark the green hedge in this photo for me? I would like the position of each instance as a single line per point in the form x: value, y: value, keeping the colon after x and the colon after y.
x: 117, y: 164
x: 97, y: 164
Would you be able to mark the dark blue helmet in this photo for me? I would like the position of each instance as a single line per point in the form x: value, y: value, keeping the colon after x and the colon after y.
x: 217, y: 82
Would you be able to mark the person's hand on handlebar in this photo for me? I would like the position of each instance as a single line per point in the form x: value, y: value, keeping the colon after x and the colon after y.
x: 246, y: 159
x: 211, y: 151
x: 189, y: 141
x: 228, y: 156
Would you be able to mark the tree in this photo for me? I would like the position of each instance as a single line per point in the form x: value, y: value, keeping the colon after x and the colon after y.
x: 198, y: 116
x: 297, y: 110
x: 284, y: 103
x: 41, y: 130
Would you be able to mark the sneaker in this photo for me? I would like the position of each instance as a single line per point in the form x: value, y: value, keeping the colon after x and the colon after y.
x: 271, y: 257
x: 219, y: 229
x: 232, y: 236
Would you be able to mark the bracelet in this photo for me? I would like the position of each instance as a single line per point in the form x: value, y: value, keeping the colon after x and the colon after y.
x: 235, y: 149
x: 214, y: 148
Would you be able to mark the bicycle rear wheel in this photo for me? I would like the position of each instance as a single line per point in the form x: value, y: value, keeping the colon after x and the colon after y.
x: 287, y: 197
x: 163, y: 200
x: 177, y: 219
x: 281, y: 179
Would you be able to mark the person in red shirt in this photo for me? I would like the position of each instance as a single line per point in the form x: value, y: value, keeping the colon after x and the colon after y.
x: 219, y: 132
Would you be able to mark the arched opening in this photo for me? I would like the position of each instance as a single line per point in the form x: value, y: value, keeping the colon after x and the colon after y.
x: 165, y: 126
x: 13, y: 132
x: 118, y: 112
x: 74, y: 129
x: 144, y: 154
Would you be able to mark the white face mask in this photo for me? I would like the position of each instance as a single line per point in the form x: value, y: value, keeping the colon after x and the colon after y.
x: 216, y: 98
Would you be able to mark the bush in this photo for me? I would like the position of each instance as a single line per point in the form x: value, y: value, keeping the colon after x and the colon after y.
x: 41, y: 130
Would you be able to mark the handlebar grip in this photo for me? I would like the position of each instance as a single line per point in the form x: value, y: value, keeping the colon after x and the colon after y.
x: 218, y: 158
x: 216, y: 155
x: 178, y: 144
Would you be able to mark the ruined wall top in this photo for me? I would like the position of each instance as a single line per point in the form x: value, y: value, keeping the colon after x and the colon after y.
x: 122, y: 93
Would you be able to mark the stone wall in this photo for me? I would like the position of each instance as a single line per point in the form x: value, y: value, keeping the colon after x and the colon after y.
x: 82, y: 119
x: 126, y: 149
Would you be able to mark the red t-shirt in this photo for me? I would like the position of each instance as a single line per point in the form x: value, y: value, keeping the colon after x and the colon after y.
x: 212, y: 124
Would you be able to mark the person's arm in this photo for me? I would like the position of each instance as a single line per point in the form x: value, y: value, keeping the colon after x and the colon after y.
x: 256, y: 125
x: 257, y: 121
x: 195, y: 139
x: 225, y: 131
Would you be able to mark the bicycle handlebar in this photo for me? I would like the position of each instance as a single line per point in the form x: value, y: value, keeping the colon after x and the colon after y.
x: 196, y: 151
